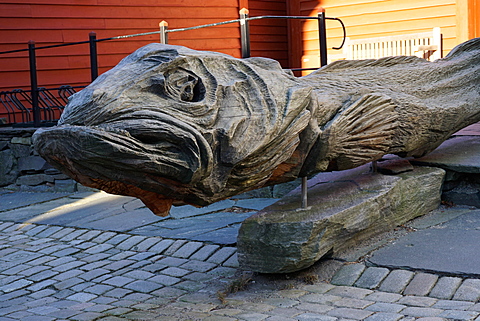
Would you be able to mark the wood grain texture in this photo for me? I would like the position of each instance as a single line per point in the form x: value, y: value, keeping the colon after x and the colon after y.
x: 196, y: 127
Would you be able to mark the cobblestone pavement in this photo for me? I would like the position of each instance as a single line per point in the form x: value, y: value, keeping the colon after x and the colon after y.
x: 52, y: 272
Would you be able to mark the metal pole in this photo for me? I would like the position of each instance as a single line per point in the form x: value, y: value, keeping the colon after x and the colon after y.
x: 322, y: 37
x: 244, y: 33
x: 304, y: 192
x: 163, y: 32
x: 93, y: 55
x: 33, y: 82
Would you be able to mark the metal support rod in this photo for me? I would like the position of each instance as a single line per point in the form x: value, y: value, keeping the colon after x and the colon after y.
x: 163, y: 32
x: 322, y: 37
x: 304, y: 192
x: 92, y: 38
x: 244, y: 33
x: 33, y: 82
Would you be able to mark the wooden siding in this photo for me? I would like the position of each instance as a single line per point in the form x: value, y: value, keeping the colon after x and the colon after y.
x: 269, y: 37
x: 49, y: 22
x: 60, y: 21
x: 374, y: 18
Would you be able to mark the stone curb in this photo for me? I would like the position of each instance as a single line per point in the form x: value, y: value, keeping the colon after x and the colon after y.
x: 408, y: 283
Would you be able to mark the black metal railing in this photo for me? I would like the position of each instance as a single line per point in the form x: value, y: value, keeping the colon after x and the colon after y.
x: 42, y: 107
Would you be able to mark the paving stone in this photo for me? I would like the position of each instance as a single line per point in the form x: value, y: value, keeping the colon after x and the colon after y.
x: 68, y: 266
x: 384, y: 317
x: 139, y: 275
x: 421, y: 284
x: 117, y: 293
x: 99, y: 248
x: 174, y: 247
x: 99, y: 289
x: 417, y: 301
x: 143, y: 286
x: 421, y: 312
x: 142, y: 256
x: 350, y: 292
x: 222, y: 255
x: 16, y: 285
x: 67, y: 283
x: 129, y: 244
x: 118, y: 281
x: 458, y: 315
x: 453, y: 305
x: 175, y: 271
x: 92, y: 274
x: 348, y: 313
x: 165, y: 280
x: 117, y: 239
x: 469, y: 290
x: 89, y: 235
x: 318, y: 288
x: 114, y: 266
x: 161, y: 246
x: 63, y: 232
x: 67, y: 275
x: 396, y: 281
x: 86, y: 316
x: 172, y: 261
x: 103, y: 237
x: 348, y: 274
x: 41, y: 285
x: 383, y: 297
x: 198, y: 266
x: 146, y: 244
x: 445, y: 287
x: 386, y: 307
x: 187, y: 250
x: 371, y: 277
x: 73, y: 235
x: 205, y: 252
x: 314, y: 317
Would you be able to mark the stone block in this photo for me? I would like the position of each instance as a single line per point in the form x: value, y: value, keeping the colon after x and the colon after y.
x: 20, y: 150
x: 7, y: 173
x: 348, y: 274
x: 345, y: 208
x: 22, y: 140
x: 65, y: 185
x: 34, y: 180
x: 32, y: 163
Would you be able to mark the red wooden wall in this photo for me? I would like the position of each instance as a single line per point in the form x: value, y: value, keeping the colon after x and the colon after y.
x: 50, y: 22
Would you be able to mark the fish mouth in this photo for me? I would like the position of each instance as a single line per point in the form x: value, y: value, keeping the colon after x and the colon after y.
x: 170, y: 155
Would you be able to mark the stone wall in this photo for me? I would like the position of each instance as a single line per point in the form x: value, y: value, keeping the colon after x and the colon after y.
x: 22, y: 169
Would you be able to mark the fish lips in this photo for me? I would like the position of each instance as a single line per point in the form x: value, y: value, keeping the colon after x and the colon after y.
x: 170, y: 154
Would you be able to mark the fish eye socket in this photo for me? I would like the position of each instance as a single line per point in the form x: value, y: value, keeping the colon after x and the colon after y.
x: 183, y: 85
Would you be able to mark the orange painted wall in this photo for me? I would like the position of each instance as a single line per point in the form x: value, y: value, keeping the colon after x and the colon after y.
x: 60, y: 21
x: 375, y: 18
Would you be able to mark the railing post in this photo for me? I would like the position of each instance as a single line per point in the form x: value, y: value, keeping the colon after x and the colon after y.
x: 93, y: 55
x: 163, y: 32
x: 33, y: 82
x: 244, y: 33
x: 322, y: 37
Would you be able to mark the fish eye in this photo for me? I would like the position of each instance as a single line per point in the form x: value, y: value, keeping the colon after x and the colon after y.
x: 184, y: 85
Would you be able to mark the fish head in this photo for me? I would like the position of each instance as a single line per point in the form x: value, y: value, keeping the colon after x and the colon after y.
x: 168, y: 125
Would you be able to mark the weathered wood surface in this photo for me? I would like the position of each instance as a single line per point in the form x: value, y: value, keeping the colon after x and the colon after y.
x: 171, y: 125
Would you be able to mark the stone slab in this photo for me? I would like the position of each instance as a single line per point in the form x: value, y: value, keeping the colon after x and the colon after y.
x: 452, y: 253
x: 459, y: 154
x: 12, y: 200
x: 344, y: 208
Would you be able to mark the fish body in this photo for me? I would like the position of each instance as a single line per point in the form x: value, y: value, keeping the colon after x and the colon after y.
x: 173, y: 126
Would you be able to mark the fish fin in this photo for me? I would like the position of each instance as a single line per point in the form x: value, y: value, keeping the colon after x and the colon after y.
x: 367, y: 63
x: 361, y: 133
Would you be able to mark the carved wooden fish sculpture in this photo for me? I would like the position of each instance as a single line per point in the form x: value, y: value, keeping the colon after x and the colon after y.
x: 171, y: 125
